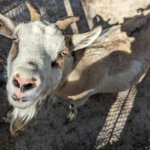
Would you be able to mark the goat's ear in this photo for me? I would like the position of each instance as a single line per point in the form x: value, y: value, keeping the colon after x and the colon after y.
x: 83, y: 40
x: 7, y: 26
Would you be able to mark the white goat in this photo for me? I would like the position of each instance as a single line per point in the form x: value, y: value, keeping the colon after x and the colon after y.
x: 44, y: 60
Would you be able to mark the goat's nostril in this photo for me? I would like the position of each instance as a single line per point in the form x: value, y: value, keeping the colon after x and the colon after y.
x: 15, y: 98
x: 16, y: 83
x: 24, y: 99
x: 26, y: 87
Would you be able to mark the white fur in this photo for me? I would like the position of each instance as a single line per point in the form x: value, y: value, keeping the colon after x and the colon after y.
x: 41, y: 44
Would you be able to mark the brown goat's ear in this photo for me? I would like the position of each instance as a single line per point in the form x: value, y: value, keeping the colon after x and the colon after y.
x: 83, y: 40
x: 63, y: 23
x: 7, y: 26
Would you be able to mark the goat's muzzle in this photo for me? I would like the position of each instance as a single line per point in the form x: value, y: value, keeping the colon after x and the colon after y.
x: 22, y: 85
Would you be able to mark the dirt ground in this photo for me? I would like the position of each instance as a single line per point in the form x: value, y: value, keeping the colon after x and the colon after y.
x: 118, y: 121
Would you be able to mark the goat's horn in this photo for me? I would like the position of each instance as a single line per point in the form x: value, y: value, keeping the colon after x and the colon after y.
x: 33, y: 12
x: 65, y: 22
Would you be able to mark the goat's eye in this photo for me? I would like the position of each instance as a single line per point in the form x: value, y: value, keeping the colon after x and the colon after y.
x: 53, y: 64
x: 70, y: 42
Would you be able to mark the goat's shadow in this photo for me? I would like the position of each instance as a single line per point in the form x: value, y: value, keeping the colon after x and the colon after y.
x: 47, y: 130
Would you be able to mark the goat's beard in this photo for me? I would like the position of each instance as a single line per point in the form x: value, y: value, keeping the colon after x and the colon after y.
x: 20, y: 117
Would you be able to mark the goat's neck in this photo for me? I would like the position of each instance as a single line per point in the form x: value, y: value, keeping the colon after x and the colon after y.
x: 69, y: 64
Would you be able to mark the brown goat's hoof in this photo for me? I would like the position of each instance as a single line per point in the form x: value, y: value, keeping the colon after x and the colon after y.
x: 71, y: 116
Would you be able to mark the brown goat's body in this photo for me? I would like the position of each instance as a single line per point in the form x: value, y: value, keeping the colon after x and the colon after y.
x: 114, y: 62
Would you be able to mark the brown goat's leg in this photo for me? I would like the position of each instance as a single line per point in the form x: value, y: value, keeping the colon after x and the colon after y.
x: 73, y: 107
